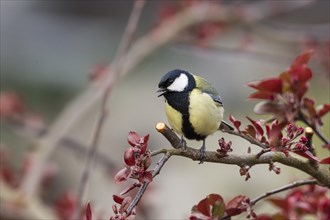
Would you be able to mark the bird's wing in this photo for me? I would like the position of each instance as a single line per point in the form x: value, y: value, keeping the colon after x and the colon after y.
x: 207, y: 88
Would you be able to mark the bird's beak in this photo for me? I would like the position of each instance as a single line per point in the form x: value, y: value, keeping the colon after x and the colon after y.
x: 162, y: 91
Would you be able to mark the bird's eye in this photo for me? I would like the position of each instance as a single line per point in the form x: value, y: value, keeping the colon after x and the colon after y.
x: 170, y: 81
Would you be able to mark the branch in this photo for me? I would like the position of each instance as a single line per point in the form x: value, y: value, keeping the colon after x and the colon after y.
x: 321, y: 174
x: 283, y: 188
x: 126, y: 40
x: 144, y: 187
x: 246, y: 137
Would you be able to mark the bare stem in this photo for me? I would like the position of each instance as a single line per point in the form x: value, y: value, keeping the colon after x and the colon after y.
x: 144, y: 187
x: 246, y: 137
x: 126, y: 40
x: 283, y: 188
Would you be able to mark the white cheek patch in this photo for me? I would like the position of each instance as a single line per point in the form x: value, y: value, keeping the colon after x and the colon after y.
x: 179, y: 83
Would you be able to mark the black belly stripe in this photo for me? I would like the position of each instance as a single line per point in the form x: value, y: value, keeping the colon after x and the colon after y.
x: 180, y: 102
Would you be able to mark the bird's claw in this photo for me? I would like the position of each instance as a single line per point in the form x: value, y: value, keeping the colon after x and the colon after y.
x: 182, y: 144
x: 203, y: 154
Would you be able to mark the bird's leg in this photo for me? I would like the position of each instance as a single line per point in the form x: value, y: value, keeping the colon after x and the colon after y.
x: 203, y: 154
x: 182, y: 143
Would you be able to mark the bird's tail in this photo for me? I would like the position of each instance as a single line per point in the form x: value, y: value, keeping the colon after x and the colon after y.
x: 224, y: 126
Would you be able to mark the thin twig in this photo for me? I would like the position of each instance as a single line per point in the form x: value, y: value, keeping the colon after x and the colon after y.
x: 246, y: 137
x: 317, y: 132
x: 126, y: 40
x: 283, y: 188
x: 144, y: 187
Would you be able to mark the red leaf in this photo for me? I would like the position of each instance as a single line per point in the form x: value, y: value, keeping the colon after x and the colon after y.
x: 308, y: 155
x: 305, y: 74
x: 250, y: 130
x: 275, y: 132
x: 88, y: 212
x: 235, y: 122
x: 192, y: 217
x: 144, y: 142
x: 125, y: 203
x: 133, y: 138
x: 281, y: 203
x: 303, y: 58
x: 323, y: 109
x: 237, y: 205
x: 262, y: 95
x: 204, y: 207
x: 309, y: 105
x: 122, y: 175
x: 273, y: 85
x: 146, y: 177
x: 256, y: 124
x: 299, y: 75
x: 129, y: 157
x: 118, y: 199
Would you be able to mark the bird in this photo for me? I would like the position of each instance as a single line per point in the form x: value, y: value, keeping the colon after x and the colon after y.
x: 193, y: 106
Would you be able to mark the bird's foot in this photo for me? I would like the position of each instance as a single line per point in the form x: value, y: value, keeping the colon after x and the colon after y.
x: 182, y: 143
x: 203, y: 154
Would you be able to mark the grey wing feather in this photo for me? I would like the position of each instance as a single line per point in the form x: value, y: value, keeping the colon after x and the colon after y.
x: 207, y: 88
x: 211, y: 91
x: 216, y: 98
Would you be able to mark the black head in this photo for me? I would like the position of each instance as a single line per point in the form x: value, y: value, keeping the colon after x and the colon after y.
x: 176, y: 81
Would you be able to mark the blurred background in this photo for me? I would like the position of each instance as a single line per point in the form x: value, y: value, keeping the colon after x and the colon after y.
x: 50, y: 50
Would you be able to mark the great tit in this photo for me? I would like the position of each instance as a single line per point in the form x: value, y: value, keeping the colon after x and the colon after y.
x: 193, y: 107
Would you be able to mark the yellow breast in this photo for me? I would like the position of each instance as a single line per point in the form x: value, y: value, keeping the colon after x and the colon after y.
x: 205, y: 115
x: 174, y: 118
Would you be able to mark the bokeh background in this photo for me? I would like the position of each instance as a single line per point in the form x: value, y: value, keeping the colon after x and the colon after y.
x: 48, y: 50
